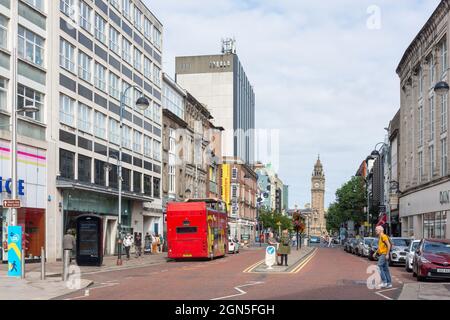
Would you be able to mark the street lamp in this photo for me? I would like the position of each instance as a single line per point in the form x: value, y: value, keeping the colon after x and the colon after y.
x: 441, y: 88
x: 142, y: 104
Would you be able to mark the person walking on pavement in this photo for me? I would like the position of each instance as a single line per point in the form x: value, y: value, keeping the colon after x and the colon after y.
x: 138, y: 245
x: 384, y: 247
x: 148, y: 244
x: 127, y: 243
x: 285, y: 247
x: 69, y: 243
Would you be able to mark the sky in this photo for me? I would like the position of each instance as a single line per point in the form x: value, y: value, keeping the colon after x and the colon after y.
x: 323, y: 72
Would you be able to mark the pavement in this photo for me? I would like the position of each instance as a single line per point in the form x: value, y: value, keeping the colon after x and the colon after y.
x: 425, y: 291
x: 33, y: 288
x: 295, y: 260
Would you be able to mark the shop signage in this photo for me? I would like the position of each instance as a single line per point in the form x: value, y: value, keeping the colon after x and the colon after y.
x: 12, y: 204
x: 5, y: 186
x: 444, y: 197
x: 14, y: 251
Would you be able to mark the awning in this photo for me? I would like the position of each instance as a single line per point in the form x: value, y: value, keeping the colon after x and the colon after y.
x: 383, y: 220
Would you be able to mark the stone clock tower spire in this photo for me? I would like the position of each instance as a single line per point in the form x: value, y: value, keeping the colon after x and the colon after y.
x: 318, y: 223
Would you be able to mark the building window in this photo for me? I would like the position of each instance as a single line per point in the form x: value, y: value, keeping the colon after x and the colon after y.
x: 114, y: 85
x: 432, y: 118
x: 3, y: 32
x: 3, y: 93
x: 156, y: 188
x: 66, y: 164
x: 137, y: 18
x: 114, y: 131
x: 84, y: 66
x: 84, y: 169
x: 444, y: 58
x: 100, y: 77
x: 420, y: 166
x: 444, y: 110
x: 434, y: 225
x: 126, y: 137
x: 126, y: 51
x: 156, y: 150
x: 84, y: 118
x: 444, y: 157
x: 100, y: 125
x: 421, y: 125
x: 137, y: 60
x: 100, y: 178
x: 420, y: 82
x: 100, y: 29
x: 173, y: 101
x: 432, y: 161
x: 234, y: 174
x: 147, y: 68
x: 147, y: 146
x: 28, y: 96
x: 148, y: 29
x: 114, y: 40
x: 127, y: 93
x: 157, y: 38
x: 147, y: 185
x: 113, y: 177
x: 149, y: 111
x: 156, y: 75
x: 126, y: 8
x: 156, y: 113
x: 38, y: 4
x: 31, y: 46
x: 172, y: 179
x: 432, y: 71
x: 66, y: 110
x: 126, y: 179
x: 137, y: 142
x: 137, y: 180
x: 66, y: 55
x: 85, y: 16
x: 115, y: 4
x: 68, y: 8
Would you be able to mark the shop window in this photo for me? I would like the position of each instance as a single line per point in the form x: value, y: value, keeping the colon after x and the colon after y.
x: 100, y: 173
x: 126, y: 179
x: 434, y: 225
x: 66, y: 164
x: 84, y: 168
x: 156, y: 188
x: 113, y: 177
x: 137, y: 177
x: 148, y: 185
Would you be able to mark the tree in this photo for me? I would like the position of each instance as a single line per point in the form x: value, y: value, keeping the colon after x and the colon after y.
x: 270, y: 219
x: 350, y: 202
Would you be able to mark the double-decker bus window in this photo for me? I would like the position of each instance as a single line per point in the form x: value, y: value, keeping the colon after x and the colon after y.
x: 186, y: 230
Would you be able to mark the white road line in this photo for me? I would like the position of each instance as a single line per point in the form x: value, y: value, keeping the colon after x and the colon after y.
x: 88, y: 291
x: 382, y: 295
x: 241, y: 292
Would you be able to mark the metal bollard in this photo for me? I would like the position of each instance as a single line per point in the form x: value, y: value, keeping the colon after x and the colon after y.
x: 22, y: 275
x: 42, y: 263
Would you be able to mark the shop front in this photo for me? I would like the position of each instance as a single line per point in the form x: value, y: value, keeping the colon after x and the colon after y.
x: 425, y: 213
x: 32, y: 192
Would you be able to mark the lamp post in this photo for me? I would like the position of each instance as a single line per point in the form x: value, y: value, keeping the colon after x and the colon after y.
x: 142, y: 104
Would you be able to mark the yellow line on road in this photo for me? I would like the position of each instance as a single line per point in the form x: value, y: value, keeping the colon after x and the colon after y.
x: 304, y: 263
x: 253, y: 266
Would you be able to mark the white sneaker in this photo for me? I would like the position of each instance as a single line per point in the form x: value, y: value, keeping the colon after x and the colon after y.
x: 382, y: 285
x: 388, y: 286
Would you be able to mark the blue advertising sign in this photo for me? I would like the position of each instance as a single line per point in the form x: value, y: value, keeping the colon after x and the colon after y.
x: 14, y: 251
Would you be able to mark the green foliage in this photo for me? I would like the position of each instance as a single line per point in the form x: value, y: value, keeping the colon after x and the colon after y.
x: 271, y: 218
x: 350, y: 202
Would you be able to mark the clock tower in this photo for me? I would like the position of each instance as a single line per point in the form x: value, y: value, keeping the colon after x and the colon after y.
x: 317, y: 221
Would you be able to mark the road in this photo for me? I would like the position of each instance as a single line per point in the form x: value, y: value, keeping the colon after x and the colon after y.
x: 330, y: 274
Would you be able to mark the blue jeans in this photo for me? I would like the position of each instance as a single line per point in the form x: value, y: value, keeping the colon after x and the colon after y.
x: 384, y: 269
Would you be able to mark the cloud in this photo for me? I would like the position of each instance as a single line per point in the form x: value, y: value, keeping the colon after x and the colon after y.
x: 320, y: 75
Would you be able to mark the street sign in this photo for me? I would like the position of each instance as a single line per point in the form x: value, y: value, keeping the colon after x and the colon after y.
x: 11, y: 204
x: 270, y: 257
x: 15, y: 251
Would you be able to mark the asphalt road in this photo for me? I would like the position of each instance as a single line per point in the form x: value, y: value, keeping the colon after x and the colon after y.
x: 330, y: 274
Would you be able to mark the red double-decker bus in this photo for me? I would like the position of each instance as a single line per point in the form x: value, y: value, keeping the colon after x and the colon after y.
x: 197, y: 229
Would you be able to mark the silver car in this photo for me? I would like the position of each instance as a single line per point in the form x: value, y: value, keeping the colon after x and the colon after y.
x: 398, y: 253
x: 363, y: 246
x: 410, y: 255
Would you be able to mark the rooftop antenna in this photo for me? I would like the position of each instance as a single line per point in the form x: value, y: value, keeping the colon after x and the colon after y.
x: 228, y: 46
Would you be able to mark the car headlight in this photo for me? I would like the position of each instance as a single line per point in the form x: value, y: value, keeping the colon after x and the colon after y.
x: 424, y: 260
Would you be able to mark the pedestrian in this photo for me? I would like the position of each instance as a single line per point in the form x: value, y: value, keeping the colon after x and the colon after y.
x: 148, y: 244
x: 138, y: 245
x: 154, y: 244
x: 384, y: 247
x: 330, y: 240
x: 158, y: 243
x: 127, y: 243
x: 69, y: 243
x: 285, y: 247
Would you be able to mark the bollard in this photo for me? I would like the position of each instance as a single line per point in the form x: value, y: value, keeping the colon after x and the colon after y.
x: 22, y: 275
x: 66, y: 261
x: 42, y: 263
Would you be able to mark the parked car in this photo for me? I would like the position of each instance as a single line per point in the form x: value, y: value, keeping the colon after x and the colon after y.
x: 410, y: 254
x: 353, y: 244
x: 398, y: 253
x: 233, y: 245
x: 432, y: 259
x: 373, y: 247
x: 347, y: 244
x: 363, y: 246
x: 314, y: 239
x: 358, y: 246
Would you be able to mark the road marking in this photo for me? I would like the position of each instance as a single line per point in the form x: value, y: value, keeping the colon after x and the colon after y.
x: 88, y: 291
x: 382, y: 295
x: 253, y: 266
x: 241, y: 292
x: 304, y: 263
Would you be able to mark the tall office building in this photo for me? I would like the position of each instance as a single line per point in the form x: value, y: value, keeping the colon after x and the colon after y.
x: 76, y: 57
x: 220, y: 82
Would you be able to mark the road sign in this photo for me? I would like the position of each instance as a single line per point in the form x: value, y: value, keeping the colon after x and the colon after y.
x: 11, y: 204
x: 15, y: 251
x: 270, y: 257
